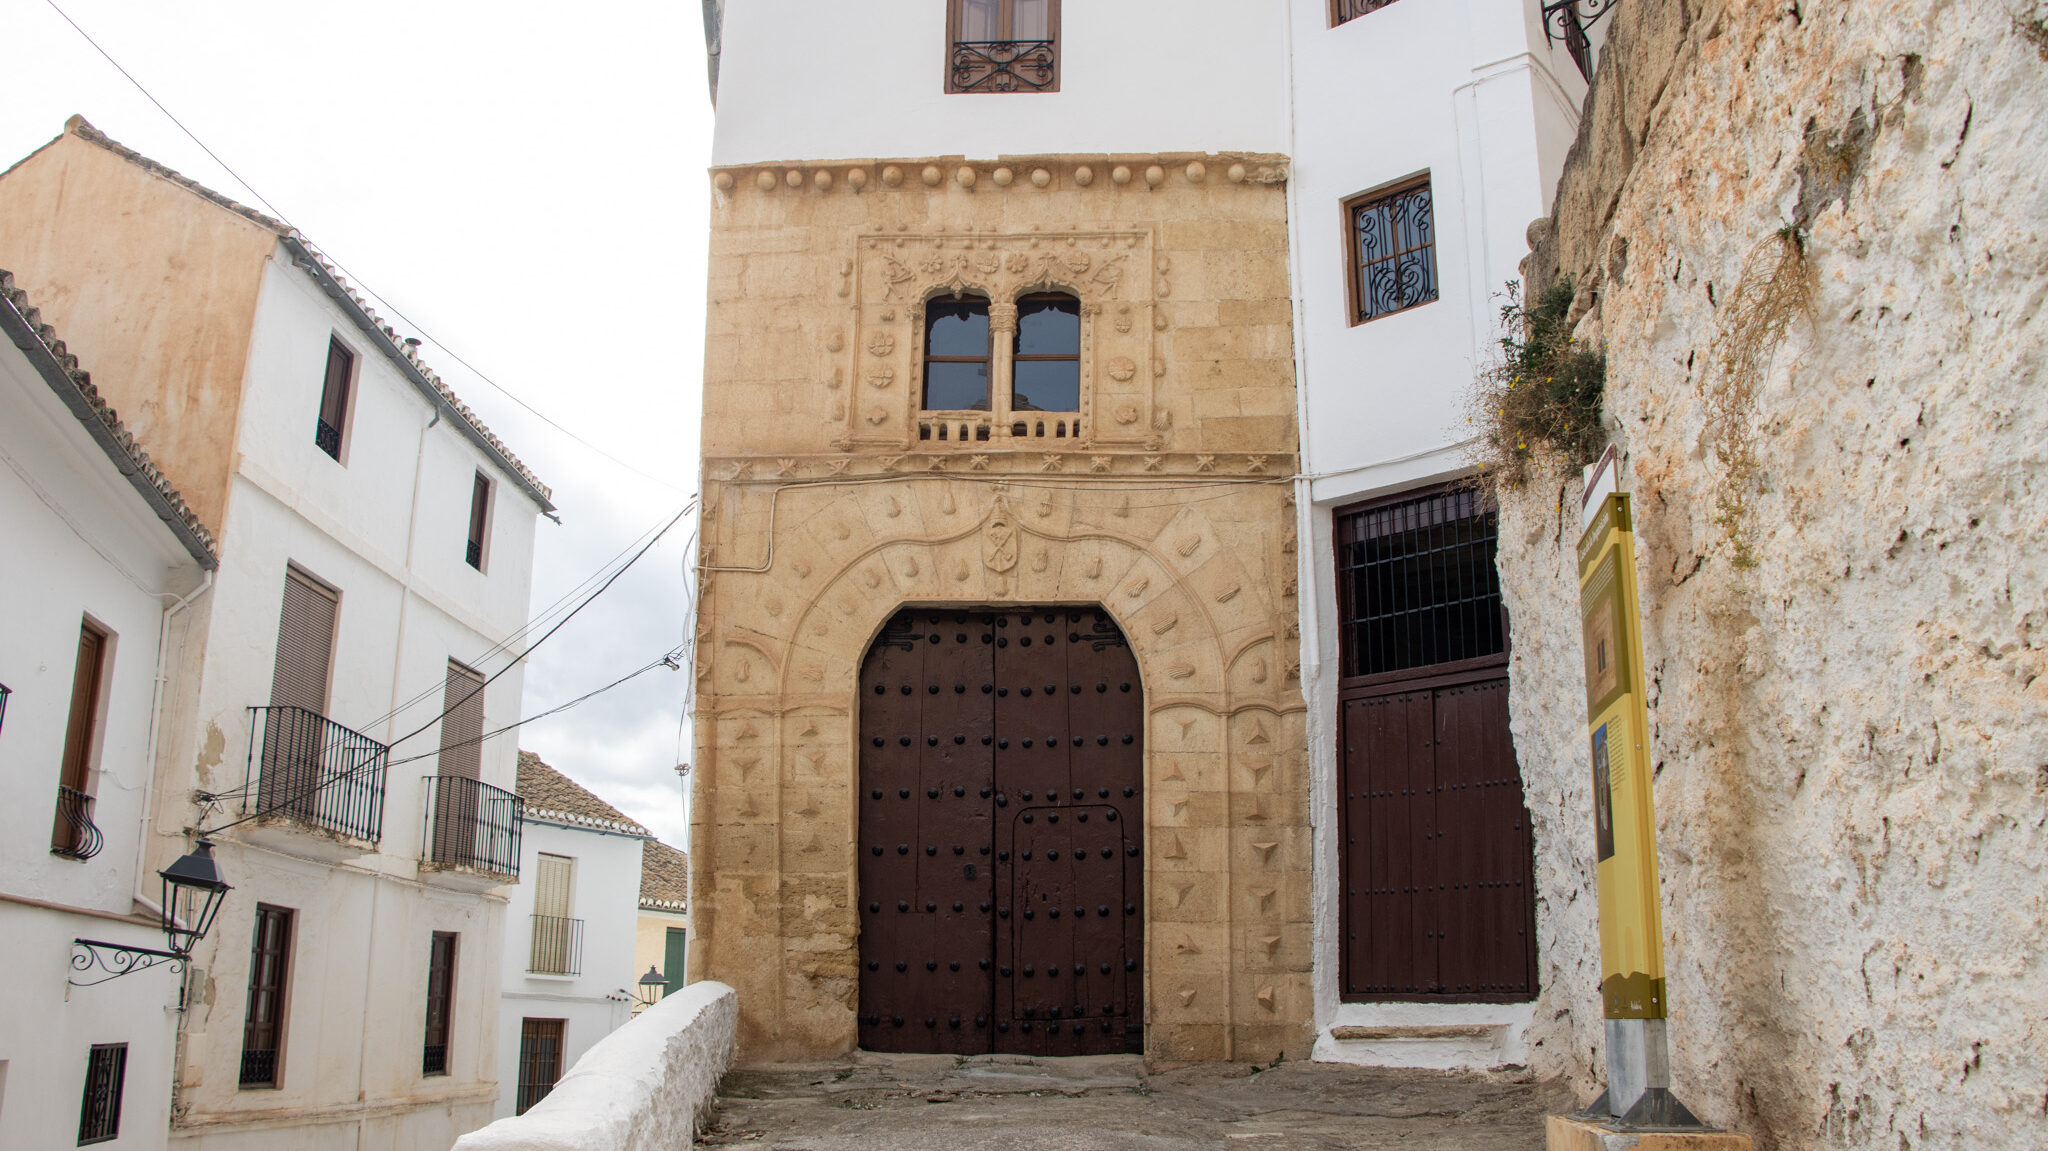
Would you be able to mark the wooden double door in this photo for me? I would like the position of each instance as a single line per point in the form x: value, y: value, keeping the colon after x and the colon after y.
x: 1001, y: 834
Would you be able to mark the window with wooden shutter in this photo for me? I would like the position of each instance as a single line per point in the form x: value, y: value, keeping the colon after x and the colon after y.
x: 557, y: 939
x: 479, y: 520
x: 334, y: 391
x: 73, y: 834
x: 263, y: 1024
x: 305, y: 643
x: 462, y: 723
x: 674, y: 958
x: 440, y: 999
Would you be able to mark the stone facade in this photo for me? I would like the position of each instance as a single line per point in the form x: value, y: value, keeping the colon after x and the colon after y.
x: 1840, y: 568
x: 830, y: 501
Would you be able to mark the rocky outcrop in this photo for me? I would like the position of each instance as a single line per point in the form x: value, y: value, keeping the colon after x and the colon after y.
x: 1811, y: 239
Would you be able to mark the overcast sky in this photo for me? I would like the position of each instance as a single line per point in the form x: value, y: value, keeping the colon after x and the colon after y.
x: 523, y: 181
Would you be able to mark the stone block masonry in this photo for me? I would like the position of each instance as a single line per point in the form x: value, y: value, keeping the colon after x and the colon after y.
x: 1839, y: 506
x: 833, y: 498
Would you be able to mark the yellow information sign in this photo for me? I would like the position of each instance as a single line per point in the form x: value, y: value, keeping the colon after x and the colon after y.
x: 1624, y: 820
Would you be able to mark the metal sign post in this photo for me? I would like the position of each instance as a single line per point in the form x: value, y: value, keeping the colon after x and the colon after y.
x: 1624, y: 818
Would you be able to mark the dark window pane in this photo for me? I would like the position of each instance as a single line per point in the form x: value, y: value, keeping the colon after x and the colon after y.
x: 1047, y: 386
x: 955, y: 387
x: 1048, y: 326
x: 956, y: 328
x: 1417, y: 584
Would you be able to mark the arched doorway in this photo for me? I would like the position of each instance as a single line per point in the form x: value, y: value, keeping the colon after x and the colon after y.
x: 1001, y: 834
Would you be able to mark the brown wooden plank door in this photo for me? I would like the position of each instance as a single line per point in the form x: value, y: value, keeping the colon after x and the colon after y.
x: 1438, y: 896
x: 1000, y: 834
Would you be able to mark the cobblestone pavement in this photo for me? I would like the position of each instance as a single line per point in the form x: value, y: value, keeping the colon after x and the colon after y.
x: 947, y: 1103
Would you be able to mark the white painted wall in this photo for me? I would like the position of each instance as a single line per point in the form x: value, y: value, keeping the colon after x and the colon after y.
x: 605, y: 895
x: 80, y: 541
x: 394, y: 546
x: 799, y: 80
x: 1469, y: 92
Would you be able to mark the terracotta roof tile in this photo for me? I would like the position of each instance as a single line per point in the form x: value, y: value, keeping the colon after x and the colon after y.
x: 554, y: 797
x: 394, y: 346
x: 664, y: 877
x: 62, y: 370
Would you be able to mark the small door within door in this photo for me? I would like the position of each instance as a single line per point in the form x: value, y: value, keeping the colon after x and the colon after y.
x: 1001, y: 834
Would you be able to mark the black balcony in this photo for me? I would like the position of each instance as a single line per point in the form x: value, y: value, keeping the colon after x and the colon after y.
x: 434, y: 1060
x: 328, y: 437
x: 75, y: 836
x: 311, y: 769
x: 1005, y: 66
x: 557, y: 946
x: 259, y: 1067
x: 471, y: 824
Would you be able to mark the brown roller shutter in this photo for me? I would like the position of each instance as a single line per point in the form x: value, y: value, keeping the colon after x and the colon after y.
x: 462, y: 723
x: 305, y: 644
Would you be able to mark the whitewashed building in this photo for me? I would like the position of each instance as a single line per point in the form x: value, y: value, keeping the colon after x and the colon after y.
x: 1424, y: 137
x: 569, y: 935
x: 662, y: 940
x: 326, y: 718
x: 103, y: 559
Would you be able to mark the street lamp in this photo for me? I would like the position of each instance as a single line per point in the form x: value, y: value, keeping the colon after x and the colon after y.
x: 192, y: 894
x: 652, y: 986
x: 193, y: 891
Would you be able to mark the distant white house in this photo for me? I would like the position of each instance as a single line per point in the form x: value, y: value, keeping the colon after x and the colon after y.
x: 568, y: 962
x: 326, y: 716
x: 101, y: 560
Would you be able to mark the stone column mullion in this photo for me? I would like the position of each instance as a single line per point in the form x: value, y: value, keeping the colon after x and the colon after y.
x: 1002, y: 328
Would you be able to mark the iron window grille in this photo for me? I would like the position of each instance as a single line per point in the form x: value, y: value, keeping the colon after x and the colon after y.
x: 334, y: 391
x: 1416, y: 583
x: 1342, y: 11
x: 557, y: 946
x: 5, y: 691
x: 312, y: 769
x: 440, y: 996
x: 263, y: 1023
x: 472, y: 825
x: 76, y: 836
x: 99, y: 1113
x: 540, y: 1061
x: 479, y: 521
x: 1392, y: 237
x: 1002, y: 46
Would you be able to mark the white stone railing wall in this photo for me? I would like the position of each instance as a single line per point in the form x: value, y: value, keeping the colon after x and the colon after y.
x: 644, y: 1087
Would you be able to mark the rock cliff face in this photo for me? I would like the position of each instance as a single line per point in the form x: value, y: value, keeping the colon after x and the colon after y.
x: 1811, y: 238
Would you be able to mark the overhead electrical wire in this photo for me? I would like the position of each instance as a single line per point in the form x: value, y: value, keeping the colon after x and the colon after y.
x: 360, y: 283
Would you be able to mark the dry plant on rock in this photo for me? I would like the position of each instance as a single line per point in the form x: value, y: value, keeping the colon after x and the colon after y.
x: 1538, y: 406
x: 1773, y: 290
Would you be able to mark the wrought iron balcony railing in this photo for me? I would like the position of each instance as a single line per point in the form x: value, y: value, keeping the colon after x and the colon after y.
x: 474, y: 555
x: 328, y: 437
x: 1348, y: 10
x: 1005, y: 66
x: 557, y: 946
x: 472, y: 824
x: 259, y: 1067
x: 434, y: 1059
x: 308, y: 767
x: 75, y: 836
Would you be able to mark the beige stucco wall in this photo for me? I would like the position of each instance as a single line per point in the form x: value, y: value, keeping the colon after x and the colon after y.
x: 824, y: 511
x: 154, y: 287
x: 1849, y: 736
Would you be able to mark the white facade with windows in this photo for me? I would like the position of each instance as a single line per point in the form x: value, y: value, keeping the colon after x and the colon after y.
x: 317, y: 760
x: 93, y: 586
x: 568, y: 978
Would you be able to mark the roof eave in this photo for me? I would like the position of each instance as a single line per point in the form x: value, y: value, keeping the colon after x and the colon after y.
x: 24, y: 336
x: 305, y: 260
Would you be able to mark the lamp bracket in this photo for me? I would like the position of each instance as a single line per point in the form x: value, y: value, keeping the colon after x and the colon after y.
x: 117, y: 959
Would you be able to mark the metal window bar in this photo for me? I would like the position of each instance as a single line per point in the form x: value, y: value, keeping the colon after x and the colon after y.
x: 75, y: 836
x: 1418, y: 583
x: 99, y: 1112
x: 473, y: 555
x: 557, y: 946
x: 1394, y: 251
x: 307, y: 766
x: 540, y: 1061
x: 472, y: 824
x: 328, y: 438
x: 1347, y: 10
x: 1004, y: 65
x: 5, y: 691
